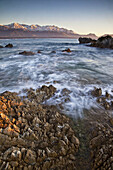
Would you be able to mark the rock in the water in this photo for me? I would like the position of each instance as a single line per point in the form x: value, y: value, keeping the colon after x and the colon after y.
x: 27, y: 53
x: 9, y: 45
x: 97, y: 92
x: 85, y: 40
x: 53, y: 52
x: 1, y: 46
x: 39, y: 51
x: 104, y: 100
x: 67, y: 50
x: 103, y: 42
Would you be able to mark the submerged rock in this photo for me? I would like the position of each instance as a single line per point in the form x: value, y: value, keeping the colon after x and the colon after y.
x: 9, y: 46
x: 53, y: 52
x: 27, y: 53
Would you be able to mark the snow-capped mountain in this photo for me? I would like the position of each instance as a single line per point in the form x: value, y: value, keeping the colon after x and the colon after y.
x: 35, y: 28
x: 16, y: 30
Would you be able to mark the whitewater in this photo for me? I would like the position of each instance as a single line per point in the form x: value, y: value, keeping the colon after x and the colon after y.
x: 79, y: 71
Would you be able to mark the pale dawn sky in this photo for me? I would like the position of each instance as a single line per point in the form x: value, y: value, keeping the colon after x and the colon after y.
x: 82, y: 16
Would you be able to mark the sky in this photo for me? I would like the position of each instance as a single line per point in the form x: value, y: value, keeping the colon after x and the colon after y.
x: 81, y: 16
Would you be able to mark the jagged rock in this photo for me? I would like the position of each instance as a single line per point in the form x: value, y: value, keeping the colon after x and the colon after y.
x: 103, y: 42
x: 30, y: 131
x: 30, y: 157
x: 27, y: 53
x: 104, y: 100
x: 97, y: 92
x: 65, y: 91
x: 67, y: 50
x: 107, y: 95
x: 101, y: 147
x: 9, y: 45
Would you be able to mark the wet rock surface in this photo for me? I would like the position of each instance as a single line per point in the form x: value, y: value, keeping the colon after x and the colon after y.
x: 96, y: 140
x: 67, y: 50
x: 35, y: 136
x: 1, y: 46
x: 9, y: 46
x: 39, y: 51
x: 27, y: 53
x: 103, y: 42
x: 53, y: 52
x: 41, y: 94
x: 102, y: 147
x: 105, y: 100
x: 85, y: 40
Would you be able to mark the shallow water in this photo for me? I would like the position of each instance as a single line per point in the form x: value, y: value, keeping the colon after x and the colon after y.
x: 78, y: 71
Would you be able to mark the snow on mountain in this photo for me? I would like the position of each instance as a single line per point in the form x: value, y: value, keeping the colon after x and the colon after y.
x: 36, y: 28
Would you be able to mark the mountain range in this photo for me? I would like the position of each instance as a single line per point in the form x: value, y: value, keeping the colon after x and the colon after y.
x: 16, y: 30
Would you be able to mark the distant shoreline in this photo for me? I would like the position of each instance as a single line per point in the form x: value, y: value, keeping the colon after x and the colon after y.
x: 37, y: 37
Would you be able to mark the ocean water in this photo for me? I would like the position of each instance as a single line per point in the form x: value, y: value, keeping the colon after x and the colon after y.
x: 79, y: 71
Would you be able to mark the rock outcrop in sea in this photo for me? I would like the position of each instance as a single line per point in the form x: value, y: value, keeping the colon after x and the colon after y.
x: 103, y: 42
x: 67, y: 50
x: 9, y: 46
x: 27, y: 53
x: 105, y: 100
x: 84, y: 40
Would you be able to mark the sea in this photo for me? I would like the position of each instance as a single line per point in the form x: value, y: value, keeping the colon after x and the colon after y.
x: 79, y: 71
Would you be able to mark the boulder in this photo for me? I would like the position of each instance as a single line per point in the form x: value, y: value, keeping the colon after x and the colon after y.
x: 85, y: 40
x: 9, y: 46
x: 39, y: 51
x: 27, y: 53
x: 53, y: 52
x: 103, y: 42
x: 67, y: 50
x: 1, y: 46
x: 97, y: 92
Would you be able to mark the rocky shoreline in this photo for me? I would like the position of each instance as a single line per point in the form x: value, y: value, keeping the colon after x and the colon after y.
x: 101, y: 42
x: 38, y: 136
x: 35, y: 136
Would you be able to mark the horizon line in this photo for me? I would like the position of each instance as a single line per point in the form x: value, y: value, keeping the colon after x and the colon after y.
x: 98, y: 35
